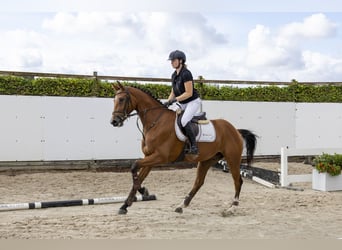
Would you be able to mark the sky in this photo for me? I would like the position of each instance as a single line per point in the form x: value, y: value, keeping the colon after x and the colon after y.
x: 248, y: 40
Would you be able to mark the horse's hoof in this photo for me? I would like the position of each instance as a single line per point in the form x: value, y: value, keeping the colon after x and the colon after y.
x: 122, y: 211
x: 179, y: 210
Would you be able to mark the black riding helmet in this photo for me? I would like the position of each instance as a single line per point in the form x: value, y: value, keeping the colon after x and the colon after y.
x: 177, y: 54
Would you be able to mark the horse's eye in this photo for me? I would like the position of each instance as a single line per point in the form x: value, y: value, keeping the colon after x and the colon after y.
x: 121, y: 100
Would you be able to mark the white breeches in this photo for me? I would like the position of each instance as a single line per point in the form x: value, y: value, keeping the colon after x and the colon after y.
x: 191, y: 109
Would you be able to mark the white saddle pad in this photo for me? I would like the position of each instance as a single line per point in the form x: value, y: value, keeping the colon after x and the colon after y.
x: 206, y: 133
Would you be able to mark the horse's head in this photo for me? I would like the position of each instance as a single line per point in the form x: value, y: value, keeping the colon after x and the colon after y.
x: 122, y: 105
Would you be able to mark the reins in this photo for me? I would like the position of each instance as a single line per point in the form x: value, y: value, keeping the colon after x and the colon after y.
x: 152, y: 124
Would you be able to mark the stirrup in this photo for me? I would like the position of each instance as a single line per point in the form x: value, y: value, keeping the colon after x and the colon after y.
x: 192, y: 151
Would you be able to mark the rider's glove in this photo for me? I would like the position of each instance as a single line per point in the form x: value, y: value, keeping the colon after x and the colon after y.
x: 170, y: 102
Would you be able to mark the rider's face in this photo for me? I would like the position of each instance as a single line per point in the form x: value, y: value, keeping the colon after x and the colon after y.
x: 175, y: 63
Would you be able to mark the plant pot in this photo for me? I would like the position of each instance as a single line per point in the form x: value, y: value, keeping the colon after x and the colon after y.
x: 326, y: 182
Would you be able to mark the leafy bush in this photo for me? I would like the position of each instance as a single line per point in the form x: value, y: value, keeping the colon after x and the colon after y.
x: 10, y: 85
x: 296, y: 92
x: 331, y: 164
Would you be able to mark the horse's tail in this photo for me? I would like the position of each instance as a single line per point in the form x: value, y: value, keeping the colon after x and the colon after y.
x: 251, y: 141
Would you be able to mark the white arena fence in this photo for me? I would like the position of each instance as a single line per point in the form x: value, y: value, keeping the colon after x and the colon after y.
x: 285, y: 178
x: 43, y: 128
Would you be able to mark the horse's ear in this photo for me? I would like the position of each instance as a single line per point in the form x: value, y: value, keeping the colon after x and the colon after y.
x: 115, y: 87
x: 120, y: 85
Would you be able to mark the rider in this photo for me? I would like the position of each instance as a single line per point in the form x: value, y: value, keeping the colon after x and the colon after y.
x: 183, y: 91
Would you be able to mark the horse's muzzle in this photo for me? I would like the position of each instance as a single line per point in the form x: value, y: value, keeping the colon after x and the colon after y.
x: 116, y: 122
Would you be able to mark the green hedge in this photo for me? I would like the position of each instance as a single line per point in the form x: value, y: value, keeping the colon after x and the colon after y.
x: 296, y: 92
x: 293, y: 93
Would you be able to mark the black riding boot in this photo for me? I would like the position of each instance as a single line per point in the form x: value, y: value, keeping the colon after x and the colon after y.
x: 190, y: 133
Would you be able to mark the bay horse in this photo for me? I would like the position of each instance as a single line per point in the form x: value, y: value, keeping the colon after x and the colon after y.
x: 160, y: 144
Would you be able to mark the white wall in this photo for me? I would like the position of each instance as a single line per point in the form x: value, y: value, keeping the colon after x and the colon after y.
x: 274, y: 123
x: 318, y: 125
x: 61, y: 128
x: 68, y: 128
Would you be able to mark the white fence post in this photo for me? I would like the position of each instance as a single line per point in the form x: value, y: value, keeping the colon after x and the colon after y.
x: 283, y: 167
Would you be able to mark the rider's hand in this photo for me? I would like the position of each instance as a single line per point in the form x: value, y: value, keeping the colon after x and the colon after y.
x: 170, y: 102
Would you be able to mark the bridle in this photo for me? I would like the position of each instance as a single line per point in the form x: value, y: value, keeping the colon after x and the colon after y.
x: 123, y: 114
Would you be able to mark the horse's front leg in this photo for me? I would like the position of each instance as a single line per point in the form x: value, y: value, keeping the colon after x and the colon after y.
x: 135, y: 187
x: 138, y: 178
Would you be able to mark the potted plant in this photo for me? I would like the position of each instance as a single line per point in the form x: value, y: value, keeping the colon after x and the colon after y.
x: 326, y: 175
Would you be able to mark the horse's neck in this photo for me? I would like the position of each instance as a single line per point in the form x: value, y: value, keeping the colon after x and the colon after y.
x: 160, y: 117
x: 147, y: 108
x: 144, y: 106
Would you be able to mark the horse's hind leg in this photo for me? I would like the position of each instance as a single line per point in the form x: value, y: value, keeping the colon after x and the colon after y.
x: 234, y: 167
x: 202, y: 169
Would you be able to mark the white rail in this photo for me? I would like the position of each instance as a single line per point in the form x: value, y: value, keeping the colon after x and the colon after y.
x: 285, y: 152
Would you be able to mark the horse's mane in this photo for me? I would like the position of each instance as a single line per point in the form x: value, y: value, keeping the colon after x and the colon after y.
x: 146, y: 92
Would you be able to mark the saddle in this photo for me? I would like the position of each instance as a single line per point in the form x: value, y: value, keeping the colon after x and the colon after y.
x: 204, y: 129
x: 199, y: 118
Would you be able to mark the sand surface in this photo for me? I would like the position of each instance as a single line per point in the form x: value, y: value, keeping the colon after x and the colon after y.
x: 263, y: 213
